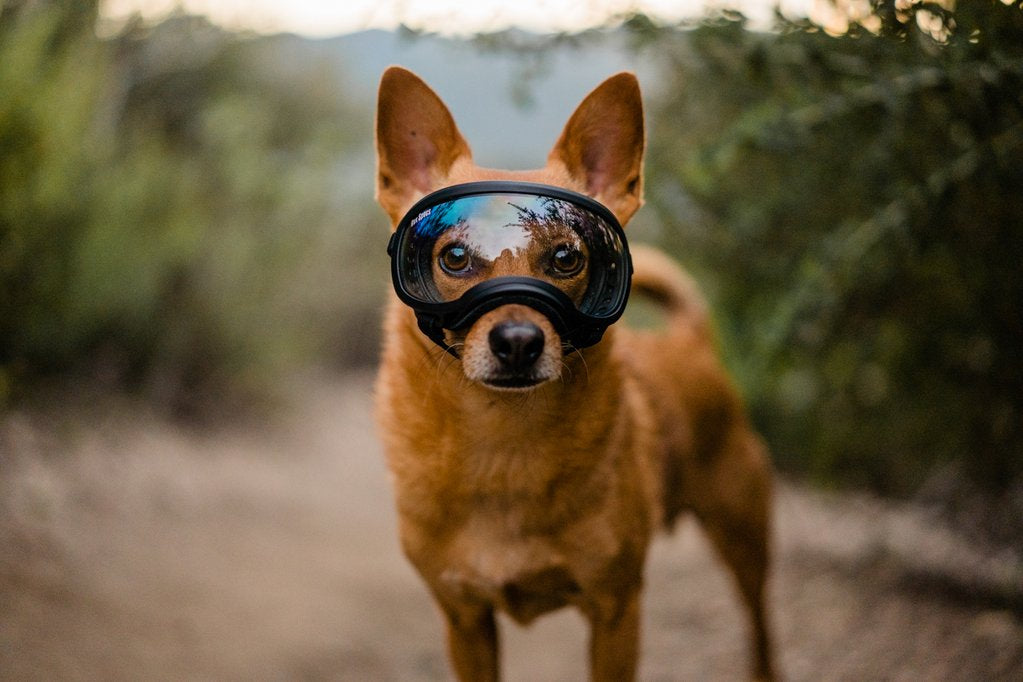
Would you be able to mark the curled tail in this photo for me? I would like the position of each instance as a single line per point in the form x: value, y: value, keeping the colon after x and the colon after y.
x: 658, y: 278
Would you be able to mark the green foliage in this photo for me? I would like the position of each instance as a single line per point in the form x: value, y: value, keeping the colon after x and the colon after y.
x: 169, y: 205
x: 854, y: 204
x: 180, y: 210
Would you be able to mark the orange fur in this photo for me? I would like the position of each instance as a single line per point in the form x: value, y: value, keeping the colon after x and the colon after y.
x: 529, y: 500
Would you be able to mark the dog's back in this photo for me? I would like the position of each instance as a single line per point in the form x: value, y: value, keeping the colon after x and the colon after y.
x: 712, y: 461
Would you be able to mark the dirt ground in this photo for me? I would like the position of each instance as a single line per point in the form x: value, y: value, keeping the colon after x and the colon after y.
x: 131, y: 548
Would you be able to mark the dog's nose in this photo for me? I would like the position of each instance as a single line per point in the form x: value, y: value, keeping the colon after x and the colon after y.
x: 516, y: 344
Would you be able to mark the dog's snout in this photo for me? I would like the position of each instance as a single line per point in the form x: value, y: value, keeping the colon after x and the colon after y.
x: 516, y: 344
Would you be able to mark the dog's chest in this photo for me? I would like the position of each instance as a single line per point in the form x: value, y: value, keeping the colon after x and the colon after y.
x: 524, y: 578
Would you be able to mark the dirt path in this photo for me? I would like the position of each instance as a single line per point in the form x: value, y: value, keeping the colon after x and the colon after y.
x: 131, y: 549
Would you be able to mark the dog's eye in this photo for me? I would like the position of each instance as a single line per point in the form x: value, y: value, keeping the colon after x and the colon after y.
x: 454, y: 259
x: 567, y: 260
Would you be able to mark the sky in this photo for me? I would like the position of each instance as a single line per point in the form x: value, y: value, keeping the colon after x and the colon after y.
x: 453, y: 17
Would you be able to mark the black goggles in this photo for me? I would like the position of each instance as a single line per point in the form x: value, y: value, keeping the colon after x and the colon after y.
x: 463, y: 251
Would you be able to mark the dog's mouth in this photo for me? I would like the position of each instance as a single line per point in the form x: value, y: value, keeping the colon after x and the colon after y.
x: 512, y: 383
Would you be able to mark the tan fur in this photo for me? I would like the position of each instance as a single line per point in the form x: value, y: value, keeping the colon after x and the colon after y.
x: 529, y: 500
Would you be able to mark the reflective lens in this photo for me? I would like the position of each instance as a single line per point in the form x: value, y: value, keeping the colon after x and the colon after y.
x: 467, y: 249
x: 446, y: 248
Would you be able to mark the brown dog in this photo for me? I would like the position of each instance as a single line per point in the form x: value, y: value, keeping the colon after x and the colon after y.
x: 546, y: 493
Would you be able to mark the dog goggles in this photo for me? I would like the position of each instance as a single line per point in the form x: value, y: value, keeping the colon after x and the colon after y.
x: 467, y: 249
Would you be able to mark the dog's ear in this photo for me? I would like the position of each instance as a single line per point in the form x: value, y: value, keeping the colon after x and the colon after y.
x: 602, y: 145
x: 416, y: 138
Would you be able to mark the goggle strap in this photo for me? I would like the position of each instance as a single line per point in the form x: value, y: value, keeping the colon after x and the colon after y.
x: 435, y: 333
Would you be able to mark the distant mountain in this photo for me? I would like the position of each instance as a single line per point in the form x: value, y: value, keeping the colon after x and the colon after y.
x: 510, y: 105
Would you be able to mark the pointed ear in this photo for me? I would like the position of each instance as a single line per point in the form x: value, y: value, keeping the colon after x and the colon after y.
x: 416, y: 138
x: 602, y: 145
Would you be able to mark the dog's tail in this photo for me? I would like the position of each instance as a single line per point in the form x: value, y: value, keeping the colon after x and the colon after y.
x: 658, y: 278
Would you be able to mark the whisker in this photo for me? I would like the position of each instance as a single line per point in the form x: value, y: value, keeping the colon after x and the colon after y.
x: 565, y: 369
x: 548, y: 406
x: 569, y: 349
x: 441, y: 360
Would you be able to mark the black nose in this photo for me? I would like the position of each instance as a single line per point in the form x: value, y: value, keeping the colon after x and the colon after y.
x: 516, y: 344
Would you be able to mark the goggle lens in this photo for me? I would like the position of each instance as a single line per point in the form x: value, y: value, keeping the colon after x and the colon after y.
x: 456, y: 239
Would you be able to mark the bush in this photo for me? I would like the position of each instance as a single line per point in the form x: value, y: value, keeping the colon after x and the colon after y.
x: 852, y: 202
x: 169, y: 205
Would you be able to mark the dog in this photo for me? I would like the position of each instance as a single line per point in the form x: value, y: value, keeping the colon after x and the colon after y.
x: 530, y: 474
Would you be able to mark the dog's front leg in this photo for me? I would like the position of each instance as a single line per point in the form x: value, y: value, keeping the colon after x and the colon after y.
x: 614, y: 638
x: 472, y: 642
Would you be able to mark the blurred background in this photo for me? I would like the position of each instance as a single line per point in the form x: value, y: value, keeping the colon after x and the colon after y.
x: 187, y: 225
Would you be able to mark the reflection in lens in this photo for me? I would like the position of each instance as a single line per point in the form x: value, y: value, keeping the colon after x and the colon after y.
x: 453, y: 245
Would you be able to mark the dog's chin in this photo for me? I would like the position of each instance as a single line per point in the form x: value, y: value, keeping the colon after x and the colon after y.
x: 513, y: 383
